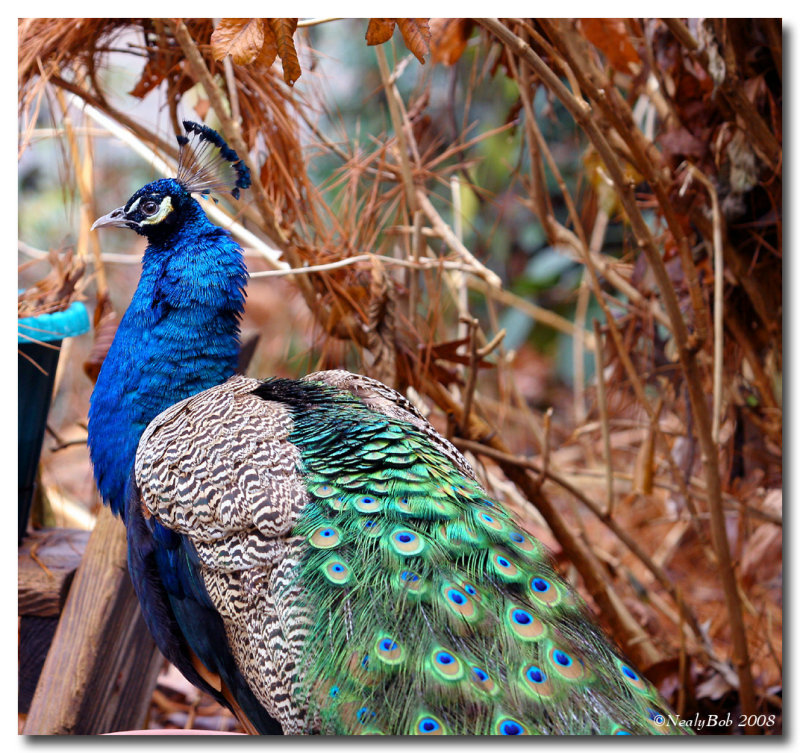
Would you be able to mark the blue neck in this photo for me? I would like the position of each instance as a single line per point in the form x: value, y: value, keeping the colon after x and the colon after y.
x: 179, y: 336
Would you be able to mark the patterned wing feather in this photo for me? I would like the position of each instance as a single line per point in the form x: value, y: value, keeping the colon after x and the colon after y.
x: 219, y: 469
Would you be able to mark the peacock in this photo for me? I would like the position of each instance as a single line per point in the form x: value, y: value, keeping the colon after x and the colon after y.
x: 311, y: 552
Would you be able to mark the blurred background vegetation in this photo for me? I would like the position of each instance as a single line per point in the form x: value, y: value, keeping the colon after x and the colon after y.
x: 575, y: 260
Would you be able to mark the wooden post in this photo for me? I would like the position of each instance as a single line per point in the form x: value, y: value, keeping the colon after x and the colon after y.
x: 102, y: 667
x: 46, y: 564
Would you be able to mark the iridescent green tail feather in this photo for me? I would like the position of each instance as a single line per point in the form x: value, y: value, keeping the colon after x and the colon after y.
x: 432, y: 612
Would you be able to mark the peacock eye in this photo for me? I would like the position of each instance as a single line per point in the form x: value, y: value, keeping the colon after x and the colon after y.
x: 149, y: 207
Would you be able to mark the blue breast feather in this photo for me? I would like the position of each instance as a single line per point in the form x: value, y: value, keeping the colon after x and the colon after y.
x: 179, y: 336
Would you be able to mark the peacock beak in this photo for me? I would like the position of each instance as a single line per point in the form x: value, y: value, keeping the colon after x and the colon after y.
x: 113, y: 219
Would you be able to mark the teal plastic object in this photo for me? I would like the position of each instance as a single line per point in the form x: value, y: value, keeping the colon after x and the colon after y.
x: 56, y: 326
x: 35, y: 390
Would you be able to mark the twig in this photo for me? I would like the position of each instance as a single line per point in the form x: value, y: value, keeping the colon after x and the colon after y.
x: 33, y: 554
x: 530, y: 419
x: 731, y: 503
x: 536, y: 143
x: 461, y: 147
x: 472, y: 372
x: 768, y: 635
x: 233, y: 91
x: 398, y: 71
x: 683, y: 669
x: 603, y: 410
x: 61, y: 443
x: 719, y: 303
x: 458, y: 280
x: 547, y: 420
x: 392, y: 98
x: 492, y: 344
x: 552, y: 54
x: 417, y: 245
x: 44, y: 344
x: 582, y: 113
x: 190, y: 717
x: 423, y: 263
x: 391, y: 172
x: 743, y: 339
x: 578, y: 370
x: 587, y: 254
x: 31, y: 119
x: 644, y: 472
x: 68, y: 443
x: 735, y: 264
x: 449, y: 237
x: 307, y: 22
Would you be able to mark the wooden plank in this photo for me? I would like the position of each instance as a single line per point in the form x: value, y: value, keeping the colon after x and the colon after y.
x: 35, y: 637
x: 46, y: 563
x: 103, y: 665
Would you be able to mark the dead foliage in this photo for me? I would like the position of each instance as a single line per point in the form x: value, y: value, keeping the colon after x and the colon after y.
x: 415, y: 31
x: 57, y: 289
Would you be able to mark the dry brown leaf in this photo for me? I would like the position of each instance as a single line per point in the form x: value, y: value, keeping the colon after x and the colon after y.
x: 105, y: 326
x: 62, y: 285
x: 763, y: 557
x: 415, y: 31
x: 611, y: 37
x: 714, y: 687
x: 258, y: 41
x: 202, y: 106
x: 152, y: 76
x: 680, y: 142
x: 416, y: 35
x: 379, y: 30
x: 284, y: 30
x: 268, y: 53
x: 449, y: 39
x: 241, y: 38
x: 773, y: 502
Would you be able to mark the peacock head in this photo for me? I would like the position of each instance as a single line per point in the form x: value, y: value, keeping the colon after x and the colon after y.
x: 205, y: 164
x: 152, y: 210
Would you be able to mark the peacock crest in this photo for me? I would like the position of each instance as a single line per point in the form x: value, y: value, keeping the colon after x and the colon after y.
x: 206, y: 163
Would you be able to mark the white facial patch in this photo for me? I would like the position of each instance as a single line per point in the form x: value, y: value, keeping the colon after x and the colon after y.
x: 163, y: 210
